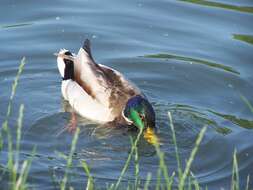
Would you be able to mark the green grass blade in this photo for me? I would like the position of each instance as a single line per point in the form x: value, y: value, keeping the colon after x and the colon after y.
x: 13, y: 92
x: 175, y: 145
x: 158, y: 178
x: 19, y: 185
x: 123, y: 171
x: 18, y: 138
x: 163, y: 167
x: 69, y: 161
x: 148, y: 179
x: 189, y: 184
x: 10, y: 164
x: 90, y: 182
x: 190, y: 160
x: 235, y: 173
x: 195, y: 182
x: 171, y: 180
x: 1, y: 142
x: 26, y: 172
x: 246, y: 101
x: 247, y: 183
x: 137, y: 169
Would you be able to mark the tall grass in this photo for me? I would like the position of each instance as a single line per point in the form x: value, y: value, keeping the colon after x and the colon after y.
x: 133, y: 148
x: 181, y: 179
x: 235, y: 174
x: 69, y: 160
x: 90, y: 181
x: 17, y: 171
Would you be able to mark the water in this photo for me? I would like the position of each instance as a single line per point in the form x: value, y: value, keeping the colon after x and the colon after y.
x: 193, y: 58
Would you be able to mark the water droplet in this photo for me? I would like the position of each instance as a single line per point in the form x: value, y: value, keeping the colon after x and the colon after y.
x: 230, y: 86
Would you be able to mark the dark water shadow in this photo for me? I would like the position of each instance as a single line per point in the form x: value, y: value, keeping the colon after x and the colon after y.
x: 245, y: 9
x: 193, y: 61
x: 244, y: 38
x: 207, y: 117
x: 244, y: 123
x: 15, y: 25
x: 196, y: 115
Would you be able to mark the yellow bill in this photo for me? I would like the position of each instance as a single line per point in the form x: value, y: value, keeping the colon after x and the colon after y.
x: 150, y: 136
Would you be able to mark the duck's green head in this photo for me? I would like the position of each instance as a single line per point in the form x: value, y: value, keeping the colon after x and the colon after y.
x: 139, y: 112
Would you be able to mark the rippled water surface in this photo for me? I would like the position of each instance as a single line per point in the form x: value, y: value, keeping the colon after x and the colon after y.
x: 193, y: 58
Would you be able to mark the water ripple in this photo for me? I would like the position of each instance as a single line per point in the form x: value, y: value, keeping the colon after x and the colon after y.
x: 193, y: 61
x: 246, y: 9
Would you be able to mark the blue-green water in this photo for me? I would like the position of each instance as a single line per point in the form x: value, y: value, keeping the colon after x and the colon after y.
x: 193, y: 58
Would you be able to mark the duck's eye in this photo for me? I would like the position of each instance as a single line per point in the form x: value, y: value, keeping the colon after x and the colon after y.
x: 142, y: 117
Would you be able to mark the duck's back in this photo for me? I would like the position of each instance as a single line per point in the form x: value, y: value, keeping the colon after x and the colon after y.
x: 104, y: 85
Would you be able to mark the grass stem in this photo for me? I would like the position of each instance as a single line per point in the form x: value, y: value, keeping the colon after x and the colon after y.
x: 190, y: 160
x: 69, y: 160
x: 128, y: 159
x: 175, y: 145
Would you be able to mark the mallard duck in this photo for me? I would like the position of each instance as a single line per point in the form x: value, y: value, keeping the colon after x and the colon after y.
x: 100, y: 93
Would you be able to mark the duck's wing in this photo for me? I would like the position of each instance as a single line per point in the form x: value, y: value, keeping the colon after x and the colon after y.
x: 89, y: 75
x: 121, y: 89
x: 103, y: 83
